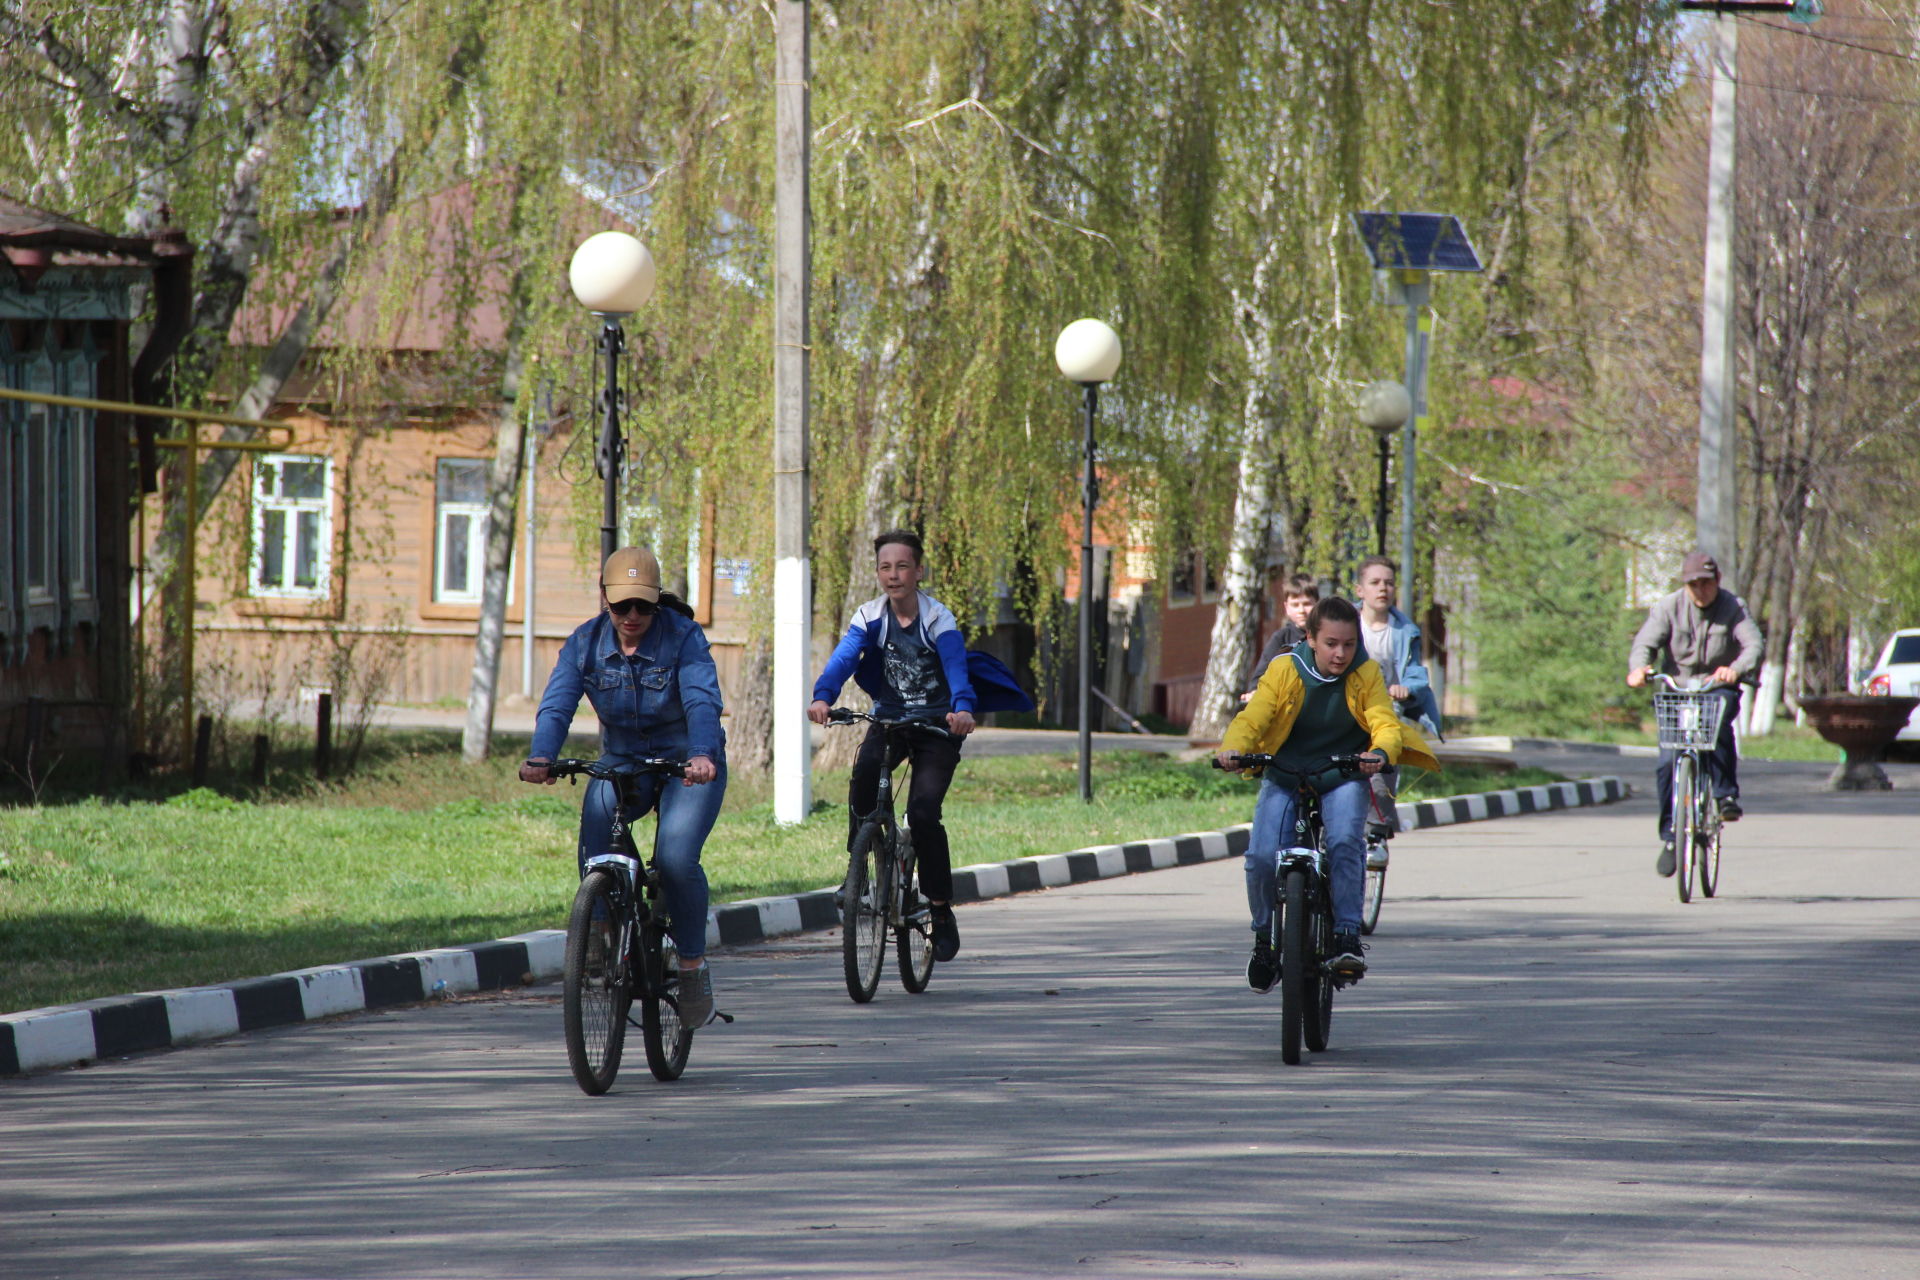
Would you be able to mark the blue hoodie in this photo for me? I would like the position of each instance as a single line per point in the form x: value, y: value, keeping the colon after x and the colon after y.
x: 859, y: 654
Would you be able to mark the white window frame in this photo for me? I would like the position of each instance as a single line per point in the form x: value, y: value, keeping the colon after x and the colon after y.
x: 293, y: 507
x: 477, y: 513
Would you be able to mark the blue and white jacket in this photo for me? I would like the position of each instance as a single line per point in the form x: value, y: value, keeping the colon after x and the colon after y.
x: 858, y: 654
x: 1420, y: 705
x: 664, y: 700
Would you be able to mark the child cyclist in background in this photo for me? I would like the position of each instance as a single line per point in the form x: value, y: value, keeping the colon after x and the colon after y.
x: 1301, y: 595
x: 904, y: 649
x: 1324, y: 698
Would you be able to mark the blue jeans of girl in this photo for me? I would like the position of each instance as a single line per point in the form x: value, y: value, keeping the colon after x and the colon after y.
x: 686, y: 817
x: 1343, y: 809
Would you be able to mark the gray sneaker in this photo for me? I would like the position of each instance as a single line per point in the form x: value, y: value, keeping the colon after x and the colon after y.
x: 1376, y: 855
x: 695, y: 997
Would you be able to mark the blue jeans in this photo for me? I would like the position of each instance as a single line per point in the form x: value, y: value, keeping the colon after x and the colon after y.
x: 686, y: 816
x: 1344, y: 811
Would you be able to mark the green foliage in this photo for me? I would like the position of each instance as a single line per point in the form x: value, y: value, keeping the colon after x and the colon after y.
x: 204, y: 800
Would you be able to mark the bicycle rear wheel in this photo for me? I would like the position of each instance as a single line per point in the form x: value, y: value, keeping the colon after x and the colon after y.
x: 1319, y: 1012
x: 594, y: 989
x: 863, y: 912
x: 667, y: 1039
x: 1686, y: 815
x: 1376, y: 890
x: 1296, y: 976
x: 913, y: 941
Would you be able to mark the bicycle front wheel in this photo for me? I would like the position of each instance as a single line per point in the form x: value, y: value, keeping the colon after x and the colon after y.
x: 1376, y: 890
x: 1296, y: 976
x: 863, y: 912
x: 1686, y: 818
x: 1707, y: 845
x: 594, y: 987
x: 668, y: 1040
x: 913, y: 942
x: 1318, y: 1016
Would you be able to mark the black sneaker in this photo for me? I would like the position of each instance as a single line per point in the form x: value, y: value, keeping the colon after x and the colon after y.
x: 1666, y: 864
x: 1730, y: 810
x: 1348, y: 955
x: 1262, y: 969
x: 946, y: 934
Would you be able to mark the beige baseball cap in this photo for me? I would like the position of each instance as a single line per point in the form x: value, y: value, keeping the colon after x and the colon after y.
x: 631, y: 573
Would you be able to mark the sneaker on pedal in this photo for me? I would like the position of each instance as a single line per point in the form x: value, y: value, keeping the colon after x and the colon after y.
x: 946, y: 934
x: 695, y: 997
x: 1348, y: 955
x: 1376, y: 855
x: 1263, y: 970
x: 1730, y: 810
x: 1665, y: 866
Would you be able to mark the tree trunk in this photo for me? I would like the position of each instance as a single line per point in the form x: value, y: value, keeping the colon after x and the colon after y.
x: 750, y: 740
x: 503, y: 492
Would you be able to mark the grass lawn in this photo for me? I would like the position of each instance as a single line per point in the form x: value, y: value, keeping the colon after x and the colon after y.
x: 420, y: 850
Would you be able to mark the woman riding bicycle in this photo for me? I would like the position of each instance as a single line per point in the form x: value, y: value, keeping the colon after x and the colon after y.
x: 904, y: 649
x: 1311, y: 704
x: 644, y: 664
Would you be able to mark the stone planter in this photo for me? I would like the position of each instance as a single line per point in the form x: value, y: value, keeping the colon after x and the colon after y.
x: 1863, y: 727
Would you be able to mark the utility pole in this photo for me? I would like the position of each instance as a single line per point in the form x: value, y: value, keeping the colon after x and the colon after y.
x: 1715, y: 501
x: 792, y: 290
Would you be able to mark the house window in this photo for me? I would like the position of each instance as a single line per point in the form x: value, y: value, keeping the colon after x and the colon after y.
x: 40, y: 495
x: 1180, y: 580
x: 459, y: 530
x: 292, y: 525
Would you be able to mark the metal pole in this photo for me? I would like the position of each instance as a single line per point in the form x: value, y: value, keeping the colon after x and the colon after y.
x: 527, y: 556
x: 1418, y: 291
x: 188, y: 586
x: 612, y: 450
x: 1715, y: 497
x: 1380, y: 501
x: 1090, y: 498
x: 792, y: 289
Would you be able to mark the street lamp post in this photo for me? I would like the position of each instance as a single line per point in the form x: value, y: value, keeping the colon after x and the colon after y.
x: 1087, y: 352
x: 1383, y: 408
x: 612, y: 276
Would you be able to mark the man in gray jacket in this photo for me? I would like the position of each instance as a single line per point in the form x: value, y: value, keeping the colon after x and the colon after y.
x: 1698, y: 632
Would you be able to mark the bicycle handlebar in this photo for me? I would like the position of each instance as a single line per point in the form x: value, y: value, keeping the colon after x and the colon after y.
x: 1676, y: 687
x: 1258, y: 760
x: 572, y: 766
x: 846, y: 715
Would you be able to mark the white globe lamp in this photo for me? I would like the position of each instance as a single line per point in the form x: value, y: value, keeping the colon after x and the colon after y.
x: 1383, y: 406
x: 611, y: 274
x: 1087, y: 351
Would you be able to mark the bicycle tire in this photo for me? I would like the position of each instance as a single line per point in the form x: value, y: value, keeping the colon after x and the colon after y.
x: 1376, y: 890
x: 1708, y: 845
x: 1685, y: 815
x: 913, y: 944
x: 1295, y: 977
x: 668, y: 1041
x: 1319, y: 1011
x: 595, y: 992
x: 863, y: 913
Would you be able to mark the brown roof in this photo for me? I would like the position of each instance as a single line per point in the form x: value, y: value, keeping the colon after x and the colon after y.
x: 71, y: 242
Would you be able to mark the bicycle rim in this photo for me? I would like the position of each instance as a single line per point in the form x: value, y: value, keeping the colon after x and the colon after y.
x: 863, y: 914
x: 1686, y: 812
x: 1319, y: 1011
x: 667, y: 1040
x: 1295, y: 976
x: 1376, y: 894
x: 1709, y: 847
x: 913, y: 944
x: 594, y: 990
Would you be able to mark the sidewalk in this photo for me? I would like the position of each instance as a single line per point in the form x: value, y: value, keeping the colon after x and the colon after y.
x: 74, y: 1035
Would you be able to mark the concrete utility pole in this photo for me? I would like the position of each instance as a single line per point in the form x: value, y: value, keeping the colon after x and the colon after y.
x: 1715, y: 502
x: 792, y: 290
x: 1419, y: 294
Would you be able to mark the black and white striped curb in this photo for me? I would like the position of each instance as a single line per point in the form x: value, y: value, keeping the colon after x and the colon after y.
x: 71, y: 1035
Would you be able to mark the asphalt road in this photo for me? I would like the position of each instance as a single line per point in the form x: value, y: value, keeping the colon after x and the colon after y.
x: 1555, y: 1070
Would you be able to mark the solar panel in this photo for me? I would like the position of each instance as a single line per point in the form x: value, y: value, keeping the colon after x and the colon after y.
x: 1416, y: 241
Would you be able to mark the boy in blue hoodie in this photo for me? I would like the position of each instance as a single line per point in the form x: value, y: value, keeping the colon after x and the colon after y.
x: 904, y: 649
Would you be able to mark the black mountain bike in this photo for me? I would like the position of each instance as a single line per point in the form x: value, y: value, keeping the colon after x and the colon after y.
x: 878, y: 896
x: 620, y: 947
x: 1303, y: 919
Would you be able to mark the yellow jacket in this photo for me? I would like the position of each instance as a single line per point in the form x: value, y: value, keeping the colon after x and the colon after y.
x: 1264, y: 723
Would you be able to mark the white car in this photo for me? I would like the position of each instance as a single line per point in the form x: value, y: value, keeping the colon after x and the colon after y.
x: 1898, y: 672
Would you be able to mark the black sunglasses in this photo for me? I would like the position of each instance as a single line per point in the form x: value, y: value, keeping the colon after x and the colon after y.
x: 646, y: 608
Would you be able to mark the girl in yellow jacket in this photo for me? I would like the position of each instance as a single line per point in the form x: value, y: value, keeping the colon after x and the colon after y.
x: 1312, y: 703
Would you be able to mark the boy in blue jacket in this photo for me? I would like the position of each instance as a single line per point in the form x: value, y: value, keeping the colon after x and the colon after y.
x: 904, y: 649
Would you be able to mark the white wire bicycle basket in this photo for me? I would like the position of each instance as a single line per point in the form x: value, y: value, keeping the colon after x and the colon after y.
x: 1687, y: 719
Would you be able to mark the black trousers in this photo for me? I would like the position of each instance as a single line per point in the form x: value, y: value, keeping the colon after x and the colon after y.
x: 933, y: 760
x: 1723, y: 764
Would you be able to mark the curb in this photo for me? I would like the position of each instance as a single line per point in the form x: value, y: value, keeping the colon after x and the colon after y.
x: 115, y: 1026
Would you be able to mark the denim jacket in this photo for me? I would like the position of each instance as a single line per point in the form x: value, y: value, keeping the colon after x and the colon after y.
x: 662, y: 701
